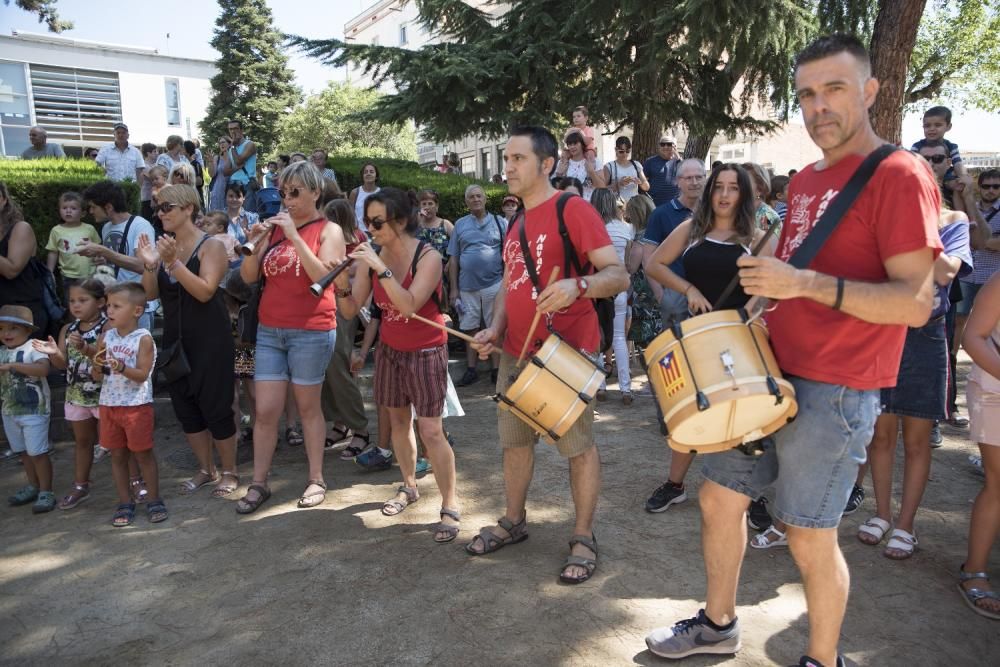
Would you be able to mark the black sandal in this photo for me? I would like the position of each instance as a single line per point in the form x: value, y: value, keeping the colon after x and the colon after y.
x: 244, y: 506
x: 351, y: 451
x: 124, y: 515
x: 156, y: 511
x: 341, y: 435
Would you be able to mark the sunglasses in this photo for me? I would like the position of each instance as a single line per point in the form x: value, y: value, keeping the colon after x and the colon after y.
x: 166, y: 207
x: 990, y: 186
x: 293, y: 193
x: 375, y: 223
x: 666, y: 143
x: 936, y: 159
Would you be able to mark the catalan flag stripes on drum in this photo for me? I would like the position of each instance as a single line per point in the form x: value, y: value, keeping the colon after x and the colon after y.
x: 673, y: 378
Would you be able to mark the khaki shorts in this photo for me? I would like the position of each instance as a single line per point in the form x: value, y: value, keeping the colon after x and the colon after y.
x: 515, y: 433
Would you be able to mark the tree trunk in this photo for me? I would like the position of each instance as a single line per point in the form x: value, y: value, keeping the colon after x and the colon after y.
x: 893, y: 39
x: 645, y: 138
x: 697, y: 146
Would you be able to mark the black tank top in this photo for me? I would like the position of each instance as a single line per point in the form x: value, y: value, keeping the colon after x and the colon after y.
x: 709, y: 265
x: 25, y: 288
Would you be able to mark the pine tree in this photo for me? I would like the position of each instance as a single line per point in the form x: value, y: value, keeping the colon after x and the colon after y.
x: 254, y: 83
x: 649, y: 65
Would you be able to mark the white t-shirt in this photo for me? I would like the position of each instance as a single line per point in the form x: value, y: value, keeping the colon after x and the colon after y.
x: 118, y: 390
x: 618, y: 172
x: 359, y: 206
x: 578, y: 169
x: 621, y: 233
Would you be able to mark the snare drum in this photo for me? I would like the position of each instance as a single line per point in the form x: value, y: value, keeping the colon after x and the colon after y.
x: 553, y: 389
x: 718, y: 383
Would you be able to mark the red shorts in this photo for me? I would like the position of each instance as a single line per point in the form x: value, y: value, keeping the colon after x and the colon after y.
x: 128, y: 426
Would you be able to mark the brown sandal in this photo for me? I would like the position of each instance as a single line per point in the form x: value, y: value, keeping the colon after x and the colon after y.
x: 244, y: 506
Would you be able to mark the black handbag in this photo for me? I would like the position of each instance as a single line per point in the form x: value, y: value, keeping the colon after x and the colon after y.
x: 173, y: 363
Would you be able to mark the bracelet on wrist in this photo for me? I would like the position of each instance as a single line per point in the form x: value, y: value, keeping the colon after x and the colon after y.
x: 150, y: 269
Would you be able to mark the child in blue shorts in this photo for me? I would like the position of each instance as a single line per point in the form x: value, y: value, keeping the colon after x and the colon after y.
x: 26, y: 400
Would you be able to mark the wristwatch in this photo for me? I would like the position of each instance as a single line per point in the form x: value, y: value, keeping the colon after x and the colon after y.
x: 582, y: 285
x: 385, y: 274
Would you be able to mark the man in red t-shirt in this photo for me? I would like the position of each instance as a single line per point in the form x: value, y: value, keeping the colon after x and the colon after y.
x: 567, y: 309
x: 838, y: 335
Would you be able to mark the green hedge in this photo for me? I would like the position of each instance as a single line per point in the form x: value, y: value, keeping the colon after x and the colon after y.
x: 411, y: 176
x: 37, y: 184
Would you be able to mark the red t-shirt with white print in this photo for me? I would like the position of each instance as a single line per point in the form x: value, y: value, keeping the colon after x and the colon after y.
x: 896, y: 213
x: 577, y: 324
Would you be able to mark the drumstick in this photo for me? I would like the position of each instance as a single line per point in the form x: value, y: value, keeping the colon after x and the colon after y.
x: 453, y: 332
x: 534, y: 321
x: 731, y: 287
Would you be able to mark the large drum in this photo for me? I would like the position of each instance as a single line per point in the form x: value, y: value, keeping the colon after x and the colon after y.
x: 718, y: 383
x: 552, y: 391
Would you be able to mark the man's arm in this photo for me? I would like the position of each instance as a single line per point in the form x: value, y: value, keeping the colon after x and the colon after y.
x: 905, y: 298
x: 453, y: 277
x: 239, y: 159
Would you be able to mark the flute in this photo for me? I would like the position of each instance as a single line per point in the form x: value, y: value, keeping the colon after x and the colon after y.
x: 320, y: 285
x: 248, y: 248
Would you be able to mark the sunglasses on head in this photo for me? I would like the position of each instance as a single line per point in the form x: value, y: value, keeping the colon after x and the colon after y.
x: 293, y: 193
x: 936, y: 159
x: 990, y: 186
x: 166, y: 207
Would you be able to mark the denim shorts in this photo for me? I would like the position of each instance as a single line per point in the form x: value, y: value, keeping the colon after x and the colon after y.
x: 922, y: 384
x: 299, y: 355
x: 969, y: 292
x: 27, y: 433
x: 813, y: 461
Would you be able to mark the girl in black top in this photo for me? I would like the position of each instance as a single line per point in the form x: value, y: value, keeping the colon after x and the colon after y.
x: 721, y: 230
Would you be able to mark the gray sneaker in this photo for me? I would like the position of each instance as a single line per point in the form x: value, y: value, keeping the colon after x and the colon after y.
x: 691, y: 636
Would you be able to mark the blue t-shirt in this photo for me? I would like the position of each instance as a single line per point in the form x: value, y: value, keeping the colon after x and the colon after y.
x: 662, y: 177
x: 955, y: 238
x: 664, y: 220
x: 478, y: 247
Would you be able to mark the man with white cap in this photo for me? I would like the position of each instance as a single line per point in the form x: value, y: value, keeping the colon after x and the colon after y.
x: 120, y: 160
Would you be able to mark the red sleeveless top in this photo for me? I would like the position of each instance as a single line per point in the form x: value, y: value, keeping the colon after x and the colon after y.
x: 401, y: 333
x: 287, y: 302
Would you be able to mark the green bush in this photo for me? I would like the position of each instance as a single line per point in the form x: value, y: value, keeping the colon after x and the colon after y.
x: 35, y: 185
x: 411, y: 176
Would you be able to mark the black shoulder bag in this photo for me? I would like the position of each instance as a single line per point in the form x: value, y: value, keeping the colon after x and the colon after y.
x: 173, y: 362
x: 123, y: 243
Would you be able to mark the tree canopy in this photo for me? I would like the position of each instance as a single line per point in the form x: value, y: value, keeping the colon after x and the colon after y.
x: 637, y: 63
x: 46, y: 11
x: 332, y: 119
x: 254, y: 83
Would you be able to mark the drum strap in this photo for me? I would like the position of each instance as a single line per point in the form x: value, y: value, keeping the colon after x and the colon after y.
x: 839, y: 207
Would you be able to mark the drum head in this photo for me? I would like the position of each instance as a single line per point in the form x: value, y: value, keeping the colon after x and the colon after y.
x: 727, y: 423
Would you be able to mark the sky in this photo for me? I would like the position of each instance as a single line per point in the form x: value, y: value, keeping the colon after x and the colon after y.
x: 190, y: 24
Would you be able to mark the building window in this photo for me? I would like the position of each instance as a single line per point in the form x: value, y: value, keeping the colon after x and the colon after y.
x: 469, y: 166
x: 76, y: 104
x: 172, y: 88
x: 15, y: 114
x: 402, y: 35
x: 487, y: 164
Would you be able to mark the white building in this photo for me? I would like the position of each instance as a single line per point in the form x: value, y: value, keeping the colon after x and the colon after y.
x: 77, y: 90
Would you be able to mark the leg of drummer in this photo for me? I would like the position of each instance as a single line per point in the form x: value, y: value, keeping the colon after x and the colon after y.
x: 723, y: 541
x: 826, y: 582
x: 518, y: 469
x: 585, y: 483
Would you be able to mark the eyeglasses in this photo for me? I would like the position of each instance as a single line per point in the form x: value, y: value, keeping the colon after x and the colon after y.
x: 936, y: 159
x: 293, y: 193
x: 375, y: 223
x: 666, y: 143
x: 166, y: 207
x: 990, y: 186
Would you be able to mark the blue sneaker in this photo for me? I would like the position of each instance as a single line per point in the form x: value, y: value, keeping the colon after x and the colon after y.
x: 374, y: 460
x: 423, y: 466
